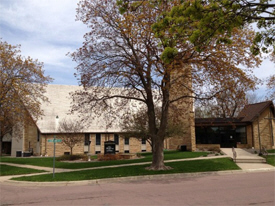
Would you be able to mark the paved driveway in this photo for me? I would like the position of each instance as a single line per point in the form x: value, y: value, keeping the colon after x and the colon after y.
x: 230, y: 189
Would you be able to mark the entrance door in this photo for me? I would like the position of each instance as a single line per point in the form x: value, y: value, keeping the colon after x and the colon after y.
x: 6, y: 148
x: 228, y: 140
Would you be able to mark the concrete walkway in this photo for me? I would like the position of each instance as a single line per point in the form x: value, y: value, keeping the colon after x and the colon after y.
x: 247, y: 160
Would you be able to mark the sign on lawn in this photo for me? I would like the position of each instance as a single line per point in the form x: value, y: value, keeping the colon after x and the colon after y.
x: 56, y: 140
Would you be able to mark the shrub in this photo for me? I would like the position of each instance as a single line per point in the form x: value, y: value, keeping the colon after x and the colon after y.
x: 106, y: 157
x: 72, y: 157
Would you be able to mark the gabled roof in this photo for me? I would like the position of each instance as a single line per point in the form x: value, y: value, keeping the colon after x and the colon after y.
x: 249, y: 113
x: 252, y: 111
x: 60, y: 105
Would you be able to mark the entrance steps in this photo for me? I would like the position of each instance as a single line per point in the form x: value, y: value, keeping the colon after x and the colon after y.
x: 242, y: 156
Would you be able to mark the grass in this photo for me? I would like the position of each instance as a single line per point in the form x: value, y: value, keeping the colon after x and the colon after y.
x: 48, y: 161
x: 270, y: 160
x: 139, y: 170
x: 11, y: 170
x: 271, y: 151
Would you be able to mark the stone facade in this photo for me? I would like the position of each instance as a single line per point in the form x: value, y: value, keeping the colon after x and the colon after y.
x: 47, y: 148
x: 30, y: 137
x: 264, y: 130
x: 182, y: 110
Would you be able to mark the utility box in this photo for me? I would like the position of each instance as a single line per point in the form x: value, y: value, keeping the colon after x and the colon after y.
x: 109, y: 147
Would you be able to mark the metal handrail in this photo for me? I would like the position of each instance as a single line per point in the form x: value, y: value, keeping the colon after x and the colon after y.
x: 264, y: 152
x: 234, y: 154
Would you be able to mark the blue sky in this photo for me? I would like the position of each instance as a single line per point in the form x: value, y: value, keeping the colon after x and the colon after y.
x: 47, y: 31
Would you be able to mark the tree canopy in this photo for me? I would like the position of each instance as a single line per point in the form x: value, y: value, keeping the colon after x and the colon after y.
x: 124, y: 58
x: 214, y: 17
x: 22, y: 83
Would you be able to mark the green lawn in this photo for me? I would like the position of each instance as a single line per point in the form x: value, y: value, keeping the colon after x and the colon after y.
x: 178, y: 167
x: 48, y: 161
x: 271, y: 151
x: 271, y: 160
x: 11, y: 170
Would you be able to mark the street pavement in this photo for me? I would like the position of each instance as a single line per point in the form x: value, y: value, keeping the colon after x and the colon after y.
x: 253, y: 185
x: 252, y: 188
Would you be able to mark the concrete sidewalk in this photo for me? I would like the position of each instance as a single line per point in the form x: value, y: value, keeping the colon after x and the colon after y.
x: 248, y: 161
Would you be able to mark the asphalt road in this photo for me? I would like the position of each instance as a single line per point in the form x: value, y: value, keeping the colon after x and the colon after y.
x: 255, y: 188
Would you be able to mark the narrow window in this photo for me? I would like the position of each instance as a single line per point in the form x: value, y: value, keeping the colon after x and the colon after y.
x: 38, y: 135
x: 87, y: 138
x: 98, y: 139
x: 126, y: 141
x: 116, y: 139
x: 143, y: 141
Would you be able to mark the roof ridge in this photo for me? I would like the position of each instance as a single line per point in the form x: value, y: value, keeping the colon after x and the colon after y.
x: 267, y: 101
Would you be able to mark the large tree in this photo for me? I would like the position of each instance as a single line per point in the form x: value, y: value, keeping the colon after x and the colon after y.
x: 22, y: 83
x: 123, y: 62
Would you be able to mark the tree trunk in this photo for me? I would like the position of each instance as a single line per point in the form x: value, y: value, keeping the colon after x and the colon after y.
x: 158, y: 156
x: 1, y: 145
x: 71, y: 151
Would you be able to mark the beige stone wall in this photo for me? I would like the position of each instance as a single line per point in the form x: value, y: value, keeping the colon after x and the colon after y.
x: 262, y: 131
x: 30, y: 134
x: 243, y: 146
x: 182, y: 111
x: 187, y: 120
x: 249, y: 136
x: 47, y: 148
x: 208, y: 147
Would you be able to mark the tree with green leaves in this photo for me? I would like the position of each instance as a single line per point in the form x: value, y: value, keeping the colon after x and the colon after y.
x: 215, y: 17
x: 126, y: 59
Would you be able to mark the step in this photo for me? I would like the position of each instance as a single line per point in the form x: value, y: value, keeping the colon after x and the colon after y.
x: 250, y: 160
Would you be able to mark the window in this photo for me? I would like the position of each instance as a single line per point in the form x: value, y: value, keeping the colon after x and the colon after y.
x: 38, y: 135
x: 126, y: 141
x: 98, y: 139
x: 116, y: 137
x: 126, y: 151
x: 241, y: 135
x: 87, y: 139
x: 143, y: 141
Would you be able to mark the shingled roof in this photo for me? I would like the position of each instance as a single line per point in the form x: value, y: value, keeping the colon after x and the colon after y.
x: 249, y: 113
x: 252, y: 111
x: 60, y: 105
